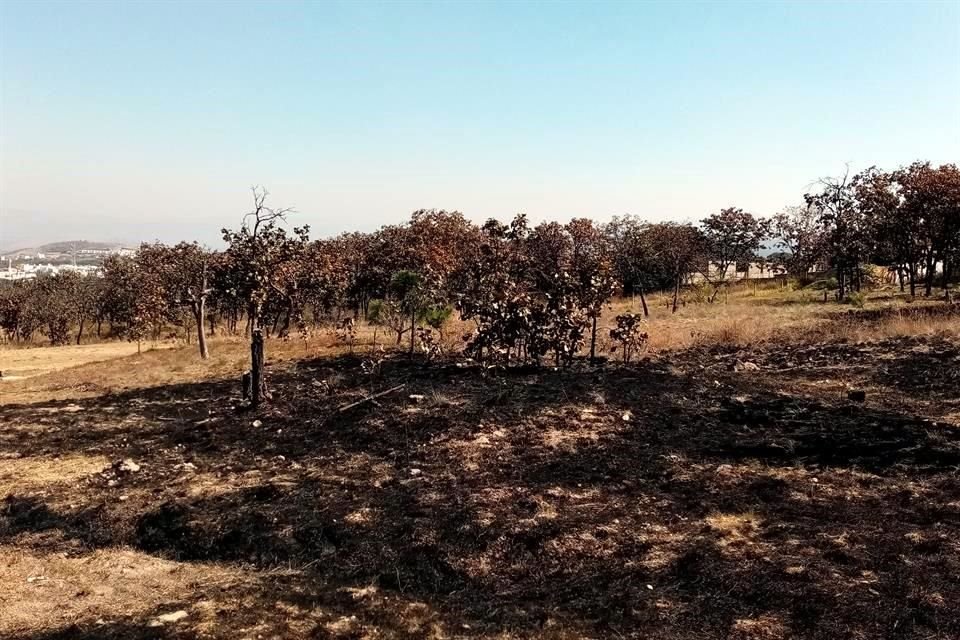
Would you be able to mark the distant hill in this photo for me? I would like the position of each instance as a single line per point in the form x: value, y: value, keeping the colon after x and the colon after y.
x: 66, y: 246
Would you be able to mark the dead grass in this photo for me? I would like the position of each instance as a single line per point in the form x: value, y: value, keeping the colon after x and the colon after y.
x: 679, y: 498
x: 98, y: 588
x: 22, y: 362
x: 743, y: 318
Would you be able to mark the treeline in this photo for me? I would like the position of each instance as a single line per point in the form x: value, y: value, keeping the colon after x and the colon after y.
x: 533, y: 292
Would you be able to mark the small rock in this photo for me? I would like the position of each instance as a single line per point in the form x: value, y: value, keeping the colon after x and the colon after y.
x: 257, y: 423
x: 626, y: 416
x: 415, y: 472
x: 746, y: 366
x: 36, y: 578
x: 417, y: 398
x: 174, y: 616
x: 124, y: 498
x: 127, y: 466
x: 187, y: 466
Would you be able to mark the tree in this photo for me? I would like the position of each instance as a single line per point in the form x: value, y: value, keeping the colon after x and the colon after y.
x: 593, y: 271
x: 181, y: 276
x: 55, y: 306
x: 408, y: 289
x: 730, y: 237
x: 634, y: 258
x: 680, y: 250
x: 388, y: 313
x: 20, y: 306
x: 263, y: 254
x: 128, y: 302
x: 798, y: 230
x: 847, y: 235
x: 931, y: 198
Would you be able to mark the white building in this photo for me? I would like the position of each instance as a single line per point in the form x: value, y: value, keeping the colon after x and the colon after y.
x: 754, y: 271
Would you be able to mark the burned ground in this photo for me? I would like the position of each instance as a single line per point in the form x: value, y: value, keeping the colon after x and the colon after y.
x: 685, y: 496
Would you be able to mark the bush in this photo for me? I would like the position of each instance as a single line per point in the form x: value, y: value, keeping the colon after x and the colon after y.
x: 628, y: 336
x: 857, y: 298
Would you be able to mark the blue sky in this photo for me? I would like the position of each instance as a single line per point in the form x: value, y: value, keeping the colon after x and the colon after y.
x: 139, y: 121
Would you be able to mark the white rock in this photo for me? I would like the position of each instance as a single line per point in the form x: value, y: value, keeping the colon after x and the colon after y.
x: 415, y: 472
x: 626, y: 416
x: 173, y: 616
x: 257, y: 423
x: 128, y: 466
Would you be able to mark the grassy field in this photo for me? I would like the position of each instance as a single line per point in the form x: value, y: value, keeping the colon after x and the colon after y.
x: 725, y: 486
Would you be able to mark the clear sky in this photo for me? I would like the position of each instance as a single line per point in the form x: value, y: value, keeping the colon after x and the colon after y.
x: 140, y: 121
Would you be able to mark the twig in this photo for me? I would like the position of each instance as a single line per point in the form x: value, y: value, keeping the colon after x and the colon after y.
x: 369, y: 398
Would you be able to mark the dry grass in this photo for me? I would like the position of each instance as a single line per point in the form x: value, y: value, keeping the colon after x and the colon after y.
x: 745, y: 317
x: 97, y: 588
x: 165, y: 364
x: 23, y: 362
x: 676, y: 499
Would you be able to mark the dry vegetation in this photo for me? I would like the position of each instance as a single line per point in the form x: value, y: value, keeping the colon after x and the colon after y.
x: 723, y: 487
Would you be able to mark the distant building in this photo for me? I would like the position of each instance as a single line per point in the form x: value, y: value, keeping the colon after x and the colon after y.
x: 753, y: 271
x: 29, y: 271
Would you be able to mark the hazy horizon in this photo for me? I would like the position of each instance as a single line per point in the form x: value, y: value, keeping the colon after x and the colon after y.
x: 139, y: 122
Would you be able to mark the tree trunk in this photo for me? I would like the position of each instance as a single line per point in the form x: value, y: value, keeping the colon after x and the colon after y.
x: 80, y: 331
x: 643, y: 302
x: 676, y: 293
x: 928, y: 276
x: 257, y: 386
x: 593, y: 339
x: 199, y: 312
x: 913, y: 279
x: 947, y: 273
x: 99, y: 324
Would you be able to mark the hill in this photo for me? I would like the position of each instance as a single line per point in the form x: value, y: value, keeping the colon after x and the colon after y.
x: 65, y: 246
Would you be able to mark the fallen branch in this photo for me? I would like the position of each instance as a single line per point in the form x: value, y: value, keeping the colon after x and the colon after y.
x: 369, y: 398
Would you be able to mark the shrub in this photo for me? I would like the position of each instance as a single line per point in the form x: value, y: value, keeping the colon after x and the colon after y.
x: 628, y: 335
x: 857, y: 298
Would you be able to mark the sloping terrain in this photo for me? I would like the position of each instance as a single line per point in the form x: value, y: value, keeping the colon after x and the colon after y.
x: 709, y: 493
